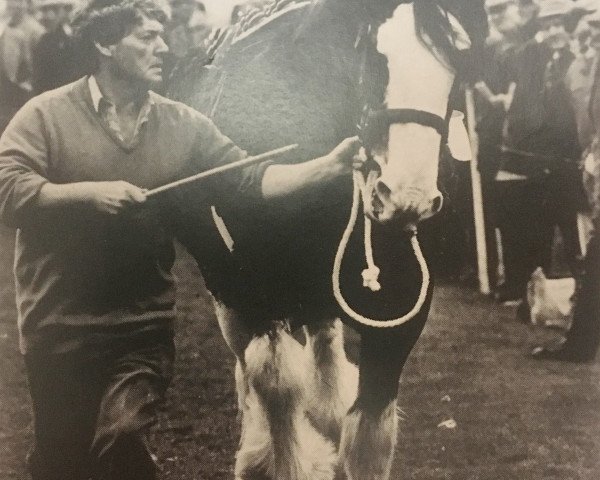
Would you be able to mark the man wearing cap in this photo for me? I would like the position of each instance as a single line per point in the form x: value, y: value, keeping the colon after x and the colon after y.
x: 17, y: 41
x: 539, y: 169
x: 56, y: 58
x: 581, y: 342
x: 93, y: 257
x: 493, y: 93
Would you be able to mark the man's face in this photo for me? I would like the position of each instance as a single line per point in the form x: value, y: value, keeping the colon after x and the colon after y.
x: 52, y: 16
x: 505, y: 16
x: 553, y: 32
x: 138, y: 57
x: 182, y: 10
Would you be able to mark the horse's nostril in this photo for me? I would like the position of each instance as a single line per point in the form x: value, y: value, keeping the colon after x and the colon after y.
x: 436, y: 204
x: 382, y: 189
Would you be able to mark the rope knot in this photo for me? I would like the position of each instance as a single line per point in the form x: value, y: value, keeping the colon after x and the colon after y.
x: 371, y: 278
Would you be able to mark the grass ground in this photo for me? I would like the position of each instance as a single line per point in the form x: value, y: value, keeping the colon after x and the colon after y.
x: 516, y: 419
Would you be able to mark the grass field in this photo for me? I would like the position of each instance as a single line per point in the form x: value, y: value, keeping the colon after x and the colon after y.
x: 516, y: 419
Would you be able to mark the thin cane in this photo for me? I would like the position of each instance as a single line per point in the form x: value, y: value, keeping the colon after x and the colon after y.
x: 223, y: 168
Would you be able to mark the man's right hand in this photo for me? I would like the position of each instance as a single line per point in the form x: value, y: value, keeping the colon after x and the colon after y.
x: 106, y: 197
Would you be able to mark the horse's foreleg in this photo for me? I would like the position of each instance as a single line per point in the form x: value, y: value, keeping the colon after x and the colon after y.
x: 276, y: 365
x: 333, y: 380
x: 237, y: 336
x: 370, y: 430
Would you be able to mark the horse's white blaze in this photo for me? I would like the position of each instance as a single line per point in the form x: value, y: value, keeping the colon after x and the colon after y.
x: 417, y: 78
x: 420, y: 80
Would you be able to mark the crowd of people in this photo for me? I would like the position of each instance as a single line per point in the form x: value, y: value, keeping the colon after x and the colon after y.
x: 537, y: 134
x: 38, y: 52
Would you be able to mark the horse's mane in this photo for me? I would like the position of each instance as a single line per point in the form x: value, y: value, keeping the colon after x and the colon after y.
x: 432, y: 17
x: 434, y: 27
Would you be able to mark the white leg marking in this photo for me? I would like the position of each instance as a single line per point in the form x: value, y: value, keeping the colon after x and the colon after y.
x: 333, y: 380
x: 276, y: 366
x: 368, y: 444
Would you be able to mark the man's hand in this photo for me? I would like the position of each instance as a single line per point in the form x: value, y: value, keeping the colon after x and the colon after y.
x: 113, y: 197
x: 346, y: 156
x: 282, y: 180
x: 106, y: 197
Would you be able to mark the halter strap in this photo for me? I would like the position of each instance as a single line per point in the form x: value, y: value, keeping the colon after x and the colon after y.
x: 376, y: 122
x: 409, y: 115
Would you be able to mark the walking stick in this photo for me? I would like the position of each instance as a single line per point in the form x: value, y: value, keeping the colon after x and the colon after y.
x: 223, y: 168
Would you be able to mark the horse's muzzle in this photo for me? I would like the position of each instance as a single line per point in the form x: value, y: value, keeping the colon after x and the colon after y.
x: 407, y: 206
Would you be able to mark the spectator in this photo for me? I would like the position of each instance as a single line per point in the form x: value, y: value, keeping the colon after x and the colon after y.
x: 57, y: 60
x: 96, y: 296
x: 583, y: 338
x: 528, y: 11
x: 493, y: 97
x: 179, y: 34
x: 17, y: 41
x: 539, y: 169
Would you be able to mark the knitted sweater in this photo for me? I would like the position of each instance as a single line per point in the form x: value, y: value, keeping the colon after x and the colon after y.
x: 80, y: 268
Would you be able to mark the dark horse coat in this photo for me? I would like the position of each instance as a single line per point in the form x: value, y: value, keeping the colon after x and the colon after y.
x: 304, y: 78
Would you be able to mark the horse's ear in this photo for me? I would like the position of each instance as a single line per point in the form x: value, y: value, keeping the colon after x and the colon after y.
x: 462, y: 40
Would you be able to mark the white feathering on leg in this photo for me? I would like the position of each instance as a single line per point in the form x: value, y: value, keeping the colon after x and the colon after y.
x: 368, y: 444
x: 279, y: 441
x: 333, y: 380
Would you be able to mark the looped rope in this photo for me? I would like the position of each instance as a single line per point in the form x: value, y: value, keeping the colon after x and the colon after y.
x: 370, y: 275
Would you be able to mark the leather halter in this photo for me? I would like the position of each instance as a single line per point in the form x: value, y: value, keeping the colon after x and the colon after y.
x: 377, y: 122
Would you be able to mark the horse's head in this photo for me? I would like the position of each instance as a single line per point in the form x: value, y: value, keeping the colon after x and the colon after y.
x: 407, y: 134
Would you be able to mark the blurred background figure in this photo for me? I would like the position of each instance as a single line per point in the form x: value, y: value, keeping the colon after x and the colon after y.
x: 19, y: 36
x: 541, y: 185
x: 582, y: 340
x: 528, y: 11
x: 186, y: 31
x: 57, y: 60
x: 494, y: 95
x: 3, y: 19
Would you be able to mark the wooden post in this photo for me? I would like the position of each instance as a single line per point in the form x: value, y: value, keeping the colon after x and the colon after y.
x: 482, y: 263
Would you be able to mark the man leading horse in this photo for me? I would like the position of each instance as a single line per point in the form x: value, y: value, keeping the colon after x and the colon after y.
x: 95, y: 293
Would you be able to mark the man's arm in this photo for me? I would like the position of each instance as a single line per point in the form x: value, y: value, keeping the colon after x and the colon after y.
x: 25, y: 190
x: 270, y: 180
x: 281, y: 180
x: 106, y: 197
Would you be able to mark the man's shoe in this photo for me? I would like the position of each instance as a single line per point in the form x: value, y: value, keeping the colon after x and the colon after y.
x: 561, y: 354
x: 507, y: 294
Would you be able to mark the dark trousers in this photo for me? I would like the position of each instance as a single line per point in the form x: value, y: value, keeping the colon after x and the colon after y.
x: 93, y: 406
x: 584, y: 336
x: 527, y: 215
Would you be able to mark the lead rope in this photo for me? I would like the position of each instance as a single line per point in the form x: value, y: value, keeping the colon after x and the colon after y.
x: 371, y: 273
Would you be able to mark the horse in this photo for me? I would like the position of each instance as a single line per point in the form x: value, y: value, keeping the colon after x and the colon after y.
x: 312, y: 72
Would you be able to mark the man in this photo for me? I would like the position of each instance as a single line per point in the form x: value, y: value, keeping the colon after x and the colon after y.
x: 493, y: 98
x: 95, y: 293
x: 178, y: 32
x: 539, y: 171
x: 583, y: 338
x: 19, y: 37
x: 56, y: 58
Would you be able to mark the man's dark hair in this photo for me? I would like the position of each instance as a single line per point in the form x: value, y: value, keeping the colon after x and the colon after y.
x: 106, y: 22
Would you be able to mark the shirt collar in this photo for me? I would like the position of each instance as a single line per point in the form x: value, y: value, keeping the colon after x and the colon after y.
x: 97, y: 96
